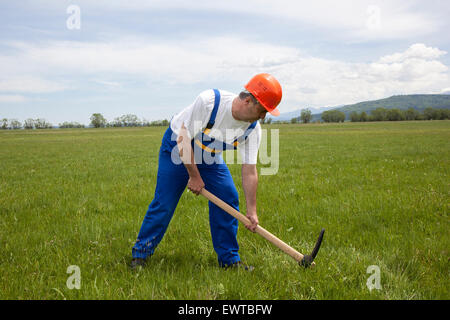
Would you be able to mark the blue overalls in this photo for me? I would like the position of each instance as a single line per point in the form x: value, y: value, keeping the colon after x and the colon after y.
x: 171, y: 181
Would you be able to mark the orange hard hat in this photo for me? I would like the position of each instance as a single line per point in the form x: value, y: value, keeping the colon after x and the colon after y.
x: 267, y: 90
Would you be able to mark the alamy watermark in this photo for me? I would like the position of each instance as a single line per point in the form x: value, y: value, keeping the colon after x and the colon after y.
x: 374, y: 281
x: 73, y: 22
x: 373, y: 21
x: 74, y: 280
x: 274, y: 158
x: 208, y: 149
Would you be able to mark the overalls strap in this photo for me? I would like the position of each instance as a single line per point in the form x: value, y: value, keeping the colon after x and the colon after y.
x: 212, y: 119
x: 246, y: 134
x: 210, y: 144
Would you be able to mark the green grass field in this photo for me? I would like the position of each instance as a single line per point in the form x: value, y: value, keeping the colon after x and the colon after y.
x: 78, y: 197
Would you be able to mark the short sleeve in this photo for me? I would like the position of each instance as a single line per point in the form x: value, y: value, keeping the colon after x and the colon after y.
x: 195, y: 116
x: 249, y: 148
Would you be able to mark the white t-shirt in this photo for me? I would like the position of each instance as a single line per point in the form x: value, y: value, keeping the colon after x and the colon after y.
x: 196, y: 116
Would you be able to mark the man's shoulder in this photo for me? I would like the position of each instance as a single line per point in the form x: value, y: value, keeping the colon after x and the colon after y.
x: 208, y: 96
x: 226, y: 93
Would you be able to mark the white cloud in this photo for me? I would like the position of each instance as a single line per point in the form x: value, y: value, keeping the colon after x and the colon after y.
x: 339, y: 82
x: 29, y: 84
x: 188, y: 61
x: 345, y: 19
x: 307, y: 81
x: 12, y: 99
x: 112, y: 84
x: 418, y: 51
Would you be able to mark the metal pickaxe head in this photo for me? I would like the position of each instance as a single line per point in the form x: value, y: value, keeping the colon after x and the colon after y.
x: 308, y: 259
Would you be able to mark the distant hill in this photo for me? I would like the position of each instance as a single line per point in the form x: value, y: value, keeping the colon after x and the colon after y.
x: 287, y: 116
x: 403, y: 102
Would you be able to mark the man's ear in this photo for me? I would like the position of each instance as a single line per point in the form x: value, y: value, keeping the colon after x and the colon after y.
x: 248, y: 100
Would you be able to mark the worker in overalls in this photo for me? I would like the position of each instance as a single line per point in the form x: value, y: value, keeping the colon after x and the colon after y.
x: 190, y: 155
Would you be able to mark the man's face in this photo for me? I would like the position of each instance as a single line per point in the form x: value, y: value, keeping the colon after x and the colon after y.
x: 255, y: 111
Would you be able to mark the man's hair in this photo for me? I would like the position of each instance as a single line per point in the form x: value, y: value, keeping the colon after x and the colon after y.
x: 244, y: 94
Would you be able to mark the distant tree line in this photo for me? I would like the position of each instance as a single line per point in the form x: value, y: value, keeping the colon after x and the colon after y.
x: 10, y: 124
x: 13, y: 124
x: 128, y: 120
x: 305, y: 117
x: 327, y: 116
x: 68, y: 125
x: 333, y: 116
x: 97, y: 121
x: 383, y: 114
x: 379, y: 114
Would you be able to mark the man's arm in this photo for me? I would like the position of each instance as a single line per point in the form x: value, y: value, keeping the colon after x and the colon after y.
x: 195, y: 183
x: 250, y: 184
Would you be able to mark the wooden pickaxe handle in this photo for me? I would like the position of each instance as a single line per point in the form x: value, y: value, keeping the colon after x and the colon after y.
x: 259, y: 230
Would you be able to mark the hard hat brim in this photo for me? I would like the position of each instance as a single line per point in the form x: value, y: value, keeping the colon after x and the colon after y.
x: 275, y: 112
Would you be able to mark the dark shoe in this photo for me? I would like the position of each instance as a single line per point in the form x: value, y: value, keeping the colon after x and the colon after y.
x: 136, y: 263
x: 240, y: 265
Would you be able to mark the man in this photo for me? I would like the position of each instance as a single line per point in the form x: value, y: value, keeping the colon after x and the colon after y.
x: 190, y: 155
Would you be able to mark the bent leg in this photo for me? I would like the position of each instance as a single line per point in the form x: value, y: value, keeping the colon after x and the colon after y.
x: 223, y: 226
x: 171, y: 182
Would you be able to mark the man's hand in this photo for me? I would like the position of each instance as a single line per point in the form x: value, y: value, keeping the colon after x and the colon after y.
x: 253, y: 217
x: 196, y: 184
x: 250, y: 184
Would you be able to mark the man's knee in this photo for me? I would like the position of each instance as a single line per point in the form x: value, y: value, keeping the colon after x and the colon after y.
x: 231, y: 196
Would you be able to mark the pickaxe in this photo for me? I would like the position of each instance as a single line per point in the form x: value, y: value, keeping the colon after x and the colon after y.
x: 303, y: 260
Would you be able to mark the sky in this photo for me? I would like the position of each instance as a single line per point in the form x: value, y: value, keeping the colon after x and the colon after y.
x: 65, y: 60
